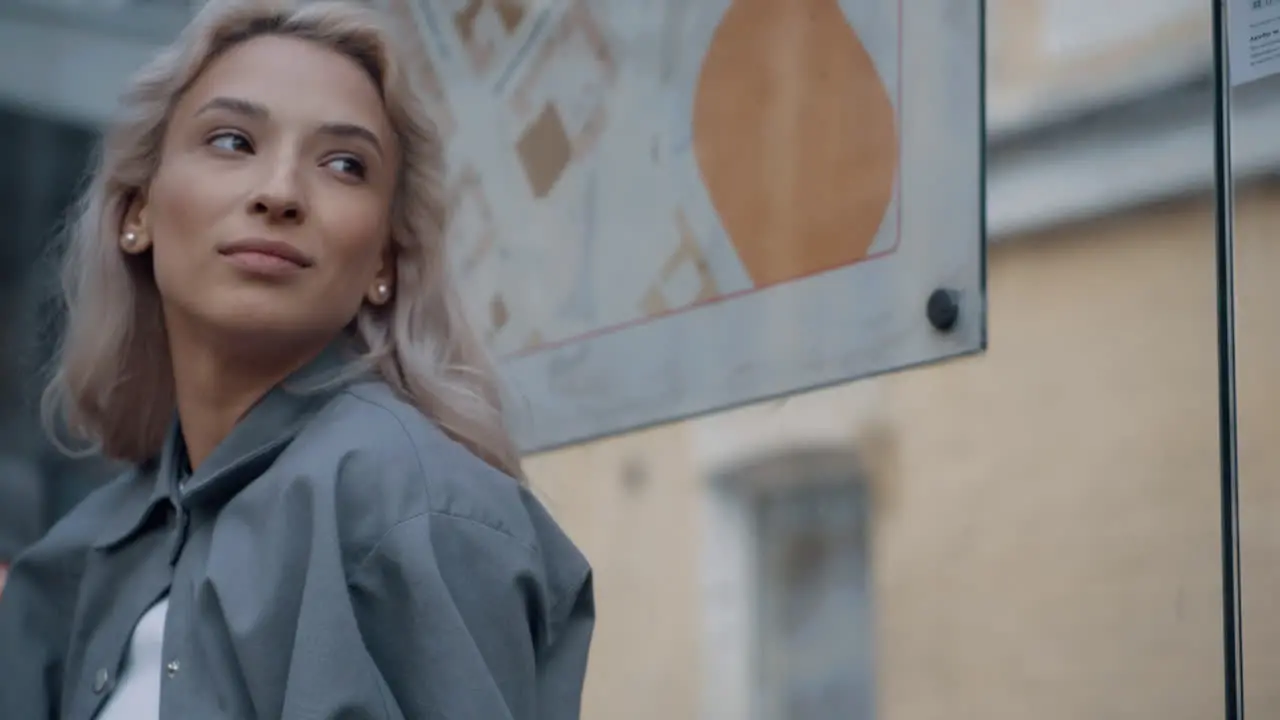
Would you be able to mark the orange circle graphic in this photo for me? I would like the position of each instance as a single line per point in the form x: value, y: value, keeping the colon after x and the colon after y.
x: 795, y: 136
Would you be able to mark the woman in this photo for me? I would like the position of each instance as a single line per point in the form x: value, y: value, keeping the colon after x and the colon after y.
x: 324, y: 519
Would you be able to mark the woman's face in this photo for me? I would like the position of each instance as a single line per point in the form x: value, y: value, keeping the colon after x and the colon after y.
x: 268, y: 217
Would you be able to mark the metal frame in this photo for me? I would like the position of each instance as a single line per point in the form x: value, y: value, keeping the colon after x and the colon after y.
x: 1224, y: 251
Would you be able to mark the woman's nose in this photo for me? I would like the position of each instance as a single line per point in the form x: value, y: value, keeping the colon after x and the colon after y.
x: 280, y: 199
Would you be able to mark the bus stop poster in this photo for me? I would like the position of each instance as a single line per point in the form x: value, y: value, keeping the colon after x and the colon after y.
x: 662, y: 209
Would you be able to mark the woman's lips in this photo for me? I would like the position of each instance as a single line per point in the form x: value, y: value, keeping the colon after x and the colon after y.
x: 265, y: 257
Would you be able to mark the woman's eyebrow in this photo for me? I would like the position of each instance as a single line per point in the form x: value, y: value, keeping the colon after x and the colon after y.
x: 257, y: 111
x: 351, y: 130
x: 238, y: 106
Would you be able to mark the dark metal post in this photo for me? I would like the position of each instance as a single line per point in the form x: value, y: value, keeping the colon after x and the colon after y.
x: 1229, y: 458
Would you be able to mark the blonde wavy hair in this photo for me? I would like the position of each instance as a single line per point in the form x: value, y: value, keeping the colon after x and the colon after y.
x: 112, y: 382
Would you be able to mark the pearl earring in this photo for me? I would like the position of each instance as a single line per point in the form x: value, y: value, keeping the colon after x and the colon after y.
x: 383, y: 290
x: 130, y: 240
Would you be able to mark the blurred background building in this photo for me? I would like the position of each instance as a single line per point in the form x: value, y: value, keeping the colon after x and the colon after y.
x: 1028, y: 533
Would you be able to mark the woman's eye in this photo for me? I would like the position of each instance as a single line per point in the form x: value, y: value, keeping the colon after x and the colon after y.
x: 231, y: 142
x: 347, y: 166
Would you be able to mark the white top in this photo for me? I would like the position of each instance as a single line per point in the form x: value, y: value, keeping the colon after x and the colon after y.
x: 137, y: 693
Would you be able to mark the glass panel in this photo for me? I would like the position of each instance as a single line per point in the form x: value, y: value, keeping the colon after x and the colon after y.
x: 1043, y: 528
x: 1256, y: 210
x: 1031, y: 532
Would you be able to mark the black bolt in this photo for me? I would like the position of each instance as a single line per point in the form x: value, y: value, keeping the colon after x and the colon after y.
x: 943, y: 309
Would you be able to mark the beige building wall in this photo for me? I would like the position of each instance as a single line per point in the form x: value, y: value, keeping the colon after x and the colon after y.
x: 1045, y: 538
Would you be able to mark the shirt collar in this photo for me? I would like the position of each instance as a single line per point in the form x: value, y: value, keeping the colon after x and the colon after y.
x: 143, y: 498
x: 253, y: 445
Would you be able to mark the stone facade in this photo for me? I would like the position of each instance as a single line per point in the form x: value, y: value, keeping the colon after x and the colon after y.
x: 1045, y: 529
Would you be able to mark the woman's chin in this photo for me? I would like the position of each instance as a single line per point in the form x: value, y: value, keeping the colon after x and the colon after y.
x: 263, y: 322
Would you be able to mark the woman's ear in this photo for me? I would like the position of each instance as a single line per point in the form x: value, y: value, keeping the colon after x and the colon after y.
x: 135, y: 238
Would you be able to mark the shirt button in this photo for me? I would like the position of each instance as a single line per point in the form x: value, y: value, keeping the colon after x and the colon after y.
x: 100, y: 680
x: 172, y: 668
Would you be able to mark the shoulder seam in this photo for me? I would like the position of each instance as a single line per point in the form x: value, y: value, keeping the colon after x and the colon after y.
x: 417, y: 456
x: 452, y: 516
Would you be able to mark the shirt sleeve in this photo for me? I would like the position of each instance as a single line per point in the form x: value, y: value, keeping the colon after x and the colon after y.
x: 36, y: 608
x: 463, y: 620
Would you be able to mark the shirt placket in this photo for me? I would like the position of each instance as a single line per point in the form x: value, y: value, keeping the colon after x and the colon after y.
x: 133, y: 595
x: 175, y: 699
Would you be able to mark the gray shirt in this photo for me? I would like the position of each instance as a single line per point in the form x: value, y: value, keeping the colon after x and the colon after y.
x: 337, y: 556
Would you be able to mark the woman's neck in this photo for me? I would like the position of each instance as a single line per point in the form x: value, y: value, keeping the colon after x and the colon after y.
x: 214, y: 389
